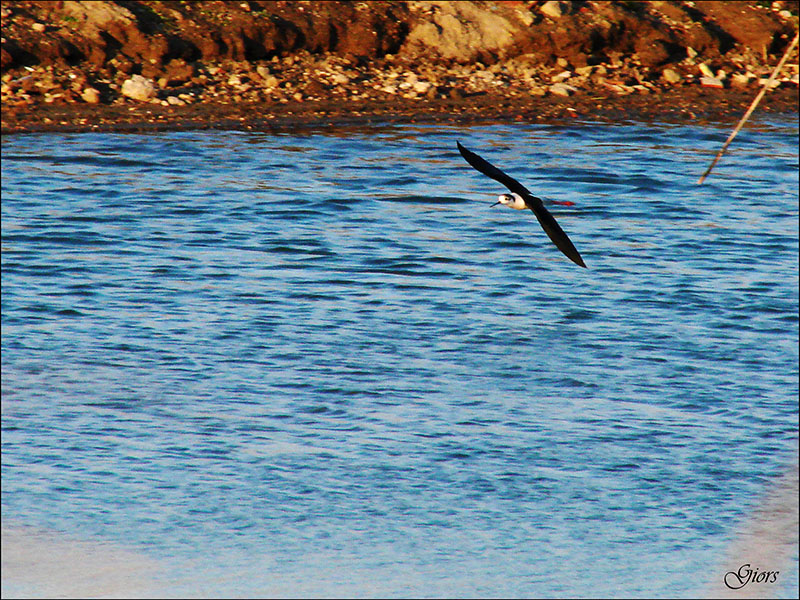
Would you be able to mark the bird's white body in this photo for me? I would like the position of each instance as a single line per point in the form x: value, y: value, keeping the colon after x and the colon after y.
x: 514, y: 201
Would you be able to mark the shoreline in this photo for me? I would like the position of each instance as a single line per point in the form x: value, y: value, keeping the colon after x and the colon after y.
x: 688, y: 105
x: 273, y: 66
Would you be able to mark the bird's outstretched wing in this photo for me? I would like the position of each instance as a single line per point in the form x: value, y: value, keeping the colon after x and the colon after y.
x: 554, y: 231
x: 546, y: 220
x: 491, y: 171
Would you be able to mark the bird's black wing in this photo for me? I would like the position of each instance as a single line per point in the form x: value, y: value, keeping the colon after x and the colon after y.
x: 491, y: 171
x: 546, y: 220
x: 553, y: 230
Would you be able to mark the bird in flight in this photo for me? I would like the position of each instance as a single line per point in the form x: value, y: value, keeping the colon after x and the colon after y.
x: 520, y: 198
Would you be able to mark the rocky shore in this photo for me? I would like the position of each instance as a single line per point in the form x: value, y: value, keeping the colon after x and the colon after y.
x: 106, y: 66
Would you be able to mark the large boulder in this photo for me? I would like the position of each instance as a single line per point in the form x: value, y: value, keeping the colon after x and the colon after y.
x: 461, y: 31
x: 139, y: 88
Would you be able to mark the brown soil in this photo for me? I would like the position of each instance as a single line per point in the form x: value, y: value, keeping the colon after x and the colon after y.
x: 275, y: 65
x: 672, y: 106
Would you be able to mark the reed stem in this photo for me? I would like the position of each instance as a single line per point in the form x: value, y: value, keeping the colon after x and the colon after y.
x: 750, y: 110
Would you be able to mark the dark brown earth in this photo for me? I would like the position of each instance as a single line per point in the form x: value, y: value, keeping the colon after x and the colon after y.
x: 278, y: 65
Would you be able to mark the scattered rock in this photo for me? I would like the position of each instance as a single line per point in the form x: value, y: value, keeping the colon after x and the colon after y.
x: 139, y: 88
x: 742, y: 79
x: 562, y: 89
x: 711, y: 82
x: 705, y: 71
x: 670, y: 76
x: 421, y: 87
x: 525, y: 16
x: 551, y: 9
x: 90, y: 95
x: 538, y: 90
x: 618, y: 88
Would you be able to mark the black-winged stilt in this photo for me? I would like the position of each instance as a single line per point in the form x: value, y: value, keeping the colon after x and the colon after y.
x: 520, y: 198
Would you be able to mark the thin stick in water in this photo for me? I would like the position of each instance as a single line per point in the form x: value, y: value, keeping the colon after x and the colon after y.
x: 750, y: 110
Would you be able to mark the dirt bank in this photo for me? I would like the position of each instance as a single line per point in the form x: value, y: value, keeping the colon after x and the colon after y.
x: 73, y: 66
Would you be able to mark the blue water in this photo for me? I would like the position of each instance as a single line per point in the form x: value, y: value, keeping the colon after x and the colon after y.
x: 319, y: 364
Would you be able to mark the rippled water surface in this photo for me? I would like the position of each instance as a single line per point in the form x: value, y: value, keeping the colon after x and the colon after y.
x: 319, y: 364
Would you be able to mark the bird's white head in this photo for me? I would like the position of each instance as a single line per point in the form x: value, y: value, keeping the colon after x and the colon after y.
x: 511, y: 200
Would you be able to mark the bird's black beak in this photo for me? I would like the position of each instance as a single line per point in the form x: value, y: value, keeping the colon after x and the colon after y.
x: 495, y: 204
